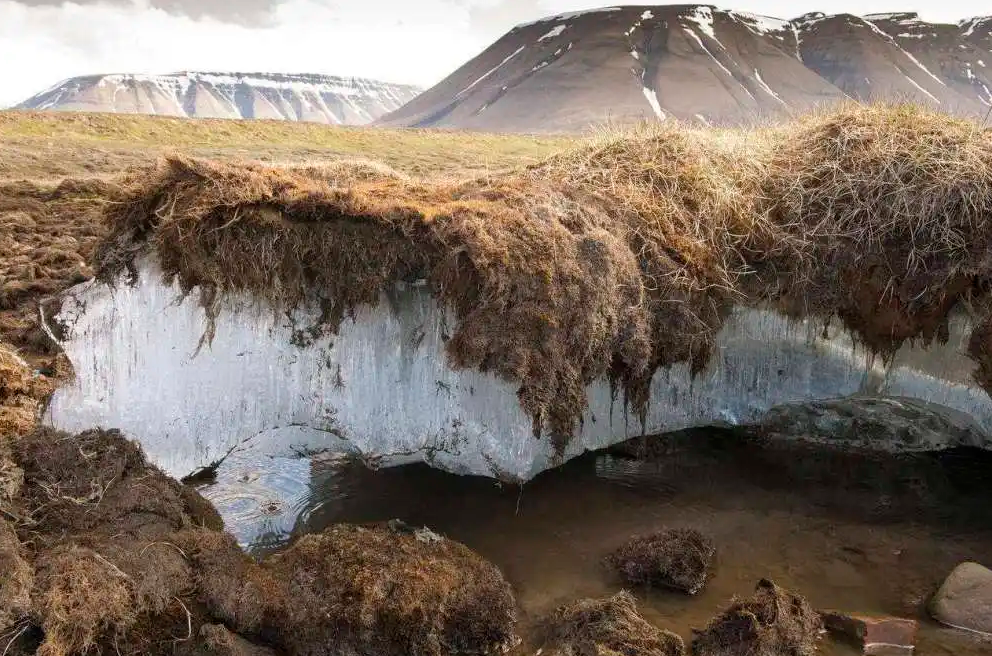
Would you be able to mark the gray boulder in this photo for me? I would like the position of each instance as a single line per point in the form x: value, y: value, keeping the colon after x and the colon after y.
x: 964, y: 601
x: 891, y: 424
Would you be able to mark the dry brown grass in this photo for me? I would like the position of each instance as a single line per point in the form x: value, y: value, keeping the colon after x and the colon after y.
x: 679, y: 559
x: 102, y: 530
x: 20, y: 391
x: 373, y: 591
x: 607, y: 627
x: 612, y: 260
x: 16, y: 582
x: 84, y: 597
x: 772, y: 622
x: 55, y: 145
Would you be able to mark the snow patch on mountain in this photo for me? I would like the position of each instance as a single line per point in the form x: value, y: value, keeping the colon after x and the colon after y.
x: 299, y: 97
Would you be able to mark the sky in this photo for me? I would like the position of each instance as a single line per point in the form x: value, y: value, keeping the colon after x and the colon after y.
x: 412, y: 41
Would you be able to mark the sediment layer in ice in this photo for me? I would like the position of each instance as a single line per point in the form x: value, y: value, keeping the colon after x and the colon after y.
x: 382, y: 386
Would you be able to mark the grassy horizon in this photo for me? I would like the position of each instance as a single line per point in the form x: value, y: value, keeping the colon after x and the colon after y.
x: 42, y: 145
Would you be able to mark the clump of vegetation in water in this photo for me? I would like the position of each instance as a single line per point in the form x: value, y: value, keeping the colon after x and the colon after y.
x: 674, y: 558
x: 772, y: 622
x: 607, y: 627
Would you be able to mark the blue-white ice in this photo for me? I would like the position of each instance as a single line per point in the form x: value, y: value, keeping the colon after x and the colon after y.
x: 382, y: 386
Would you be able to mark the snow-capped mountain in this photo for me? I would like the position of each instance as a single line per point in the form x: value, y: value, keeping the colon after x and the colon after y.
x: 316, y: 98
x: 706, y: 65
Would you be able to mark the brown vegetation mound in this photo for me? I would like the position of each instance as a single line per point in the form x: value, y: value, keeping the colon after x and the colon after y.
x: 609, y: 261
x: 16, y: 578
x: 47, y: 235
x: 369, y: 591
x: 103, y: 530
x: 608, y: 627
x: 674, y: 558
x: 111, y: 556
x: 20, y: 393
x: 773, y: 622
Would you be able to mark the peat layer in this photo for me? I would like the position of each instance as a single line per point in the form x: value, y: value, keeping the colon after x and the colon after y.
x: 612, y: 260
x: 47, y: 235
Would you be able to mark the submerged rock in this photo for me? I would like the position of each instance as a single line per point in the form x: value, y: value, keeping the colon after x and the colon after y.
x: 607, y: 627
x: 673, y: 558
x: 964, y: 601
x: 875, y: 636
x: 872, y: 423
x: 772, y: 622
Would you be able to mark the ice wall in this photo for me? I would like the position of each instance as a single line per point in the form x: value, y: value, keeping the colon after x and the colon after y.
x: 382, y: 386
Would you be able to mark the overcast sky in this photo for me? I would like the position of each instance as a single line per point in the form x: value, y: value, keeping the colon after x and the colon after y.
x: 414, y: 41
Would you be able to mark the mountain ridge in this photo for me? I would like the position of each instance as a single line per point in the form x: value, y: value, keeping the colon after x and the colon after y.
x: 698, y: 63
x: 316, y: 98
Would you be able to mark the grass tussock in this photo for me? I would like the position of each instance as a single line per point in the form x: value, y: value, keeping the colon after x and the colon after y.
x: 101, y: 558
x: 17, y: 580
x: 379, y: 591
x: 20, y: 393
x: 677, y: 559
x: 611, y: 260
x: 607, y: 627
x: 84, y: 597
x: 772, y: 622
x: 102, y: 553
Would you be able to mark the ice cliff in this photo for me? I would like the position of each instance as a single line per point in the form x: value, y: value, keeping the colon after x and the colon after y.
x: 382, y: 387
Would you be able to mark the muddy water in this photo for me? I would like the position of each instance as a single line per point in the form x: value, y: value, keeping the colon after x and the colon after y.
x: 849, y: 532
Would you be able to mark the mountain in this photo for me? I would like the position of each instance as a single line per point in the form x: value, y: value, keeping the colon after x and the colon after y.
x: 706, y: 65
x: 316, y: 98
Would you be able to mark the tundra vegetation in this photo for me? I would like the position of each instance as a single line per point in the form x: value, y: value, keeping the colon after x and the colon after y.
x: 565, y: 261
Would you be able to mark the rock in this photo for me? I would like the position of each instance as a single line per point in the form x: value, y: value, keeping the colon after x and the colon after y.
x: 772, y: 622
x: 607, y: 627
x: 674, y: 558
x: 889, y: 424
x: 964, y: 601
x: 876, y: 636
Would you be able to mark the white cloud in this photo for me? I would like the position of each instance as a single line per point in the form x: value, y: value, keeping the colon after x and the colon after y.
x: 41, y: 45
x: 413, y: 41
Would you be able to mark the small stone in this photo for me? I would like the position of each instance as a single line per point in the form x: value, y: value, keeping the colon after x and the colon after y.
x: 876, y: 636
x: 964, y: 601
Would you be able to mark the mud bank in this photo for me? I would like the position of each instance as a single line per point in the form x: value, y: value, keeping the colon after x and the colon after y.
x: 381, y: 387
